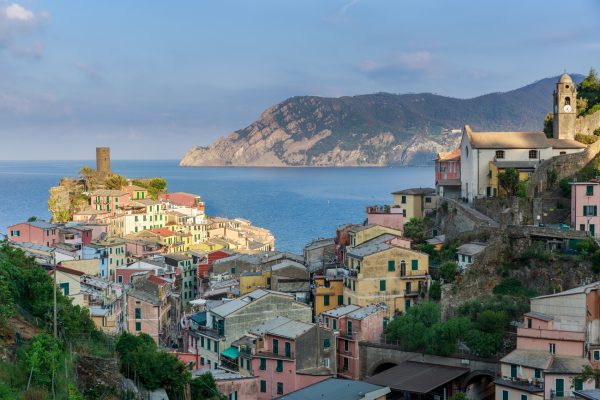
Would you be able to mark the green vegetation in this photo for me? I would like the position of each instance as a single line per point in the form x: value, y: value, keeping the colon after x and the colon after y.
x: 586, y: 139
x: 204, y: 387
x: 549, y: 125
x: 435, y: 291
x: 154, y: 186
x: 513, y: 287
x: 480, y: 324
x: 509, y: 180
x: 415, y: 230
x: 589, y: 92
x: 448, y: 271
x: 141, y: 359
x: 26, y: 288
x: 115, y: 182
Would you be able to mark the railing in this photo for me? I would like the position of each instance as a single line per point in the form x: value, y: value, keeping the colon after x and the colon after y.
x: 524, y: 384
x: 354, y: 334
x: 270, y: 354
x: 229, y: 365
x: 554, y: 394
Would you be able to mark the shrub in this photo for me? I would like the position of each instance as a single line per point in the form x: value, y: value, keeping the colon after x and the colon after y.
x: 448, y: 271
x: 597, y: 132
x: 586, y: 139
x: 435, y: 291
x: 565, y: 186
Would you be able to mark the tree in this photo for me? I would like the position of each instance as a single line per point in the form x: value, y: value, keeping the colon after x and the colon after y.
x: 204, y: 387
x: 115, y: 181
x: 41, y: 360
x: 509, y: 180
x: 589, y: 89
x: 32, y: 219
x: 448, y: 271
x: 88, y: 175
x: 549, y: 125
x: 435, y: 291
x: 590, y: 374
x: 415, y: 230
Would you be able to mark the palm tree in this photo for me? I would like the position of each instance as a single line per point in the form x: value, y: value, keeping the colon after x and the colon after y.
x: 115, y: 182
x: 88, y: 175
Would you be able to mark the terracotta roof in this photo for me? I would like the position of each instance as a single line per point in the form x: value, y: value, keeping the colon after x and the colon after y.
x: 566, y: 144
x: 449, y: 155
x: 507, y: 140
x: 157, y: 280
x: 163, y: 232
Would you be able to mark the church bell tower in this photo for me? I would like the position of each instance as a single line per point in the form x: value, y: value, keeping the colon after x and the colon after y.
x: 565, y: 108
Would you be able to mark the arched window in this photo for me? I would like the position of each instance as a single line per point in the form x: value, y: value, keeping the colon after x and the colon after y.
x: 533, y: 154
x: 499, y: 154
x: 567, y: 101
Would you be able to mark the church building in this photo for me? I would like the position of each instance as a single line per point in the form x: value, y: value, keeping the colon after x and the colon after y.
x: 486, y: 154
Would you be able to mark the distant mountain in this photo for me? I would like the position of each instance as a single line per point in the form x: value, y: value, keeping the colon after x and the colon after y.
x: 372, y: 130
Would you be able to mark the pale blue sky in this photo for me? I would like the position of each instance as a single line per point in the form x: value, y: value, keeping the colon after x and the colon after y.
x: 152, y: 78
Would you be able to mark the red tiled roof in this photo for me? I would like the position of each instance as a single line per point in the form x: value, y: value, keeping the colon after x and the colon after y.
x: 156, y: 280
x: 449, y: 156
x: 163, y: 231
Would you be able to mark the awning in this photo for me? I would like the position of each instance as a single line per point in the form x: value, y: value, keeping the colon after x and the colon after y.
x: 417, y: 377
x: 230, y: 352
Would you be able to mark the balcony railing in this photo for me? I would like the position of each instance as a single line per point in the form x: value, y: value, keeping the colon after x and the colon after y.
x: 565, y: 394
x: 532, y: 386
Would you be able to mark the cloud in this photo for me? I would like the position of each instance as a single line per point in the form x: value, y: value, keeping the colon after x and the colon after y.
x: 341, y: 14
x: 16, y: 12
x: 17, y: 24
x: 418, y: 61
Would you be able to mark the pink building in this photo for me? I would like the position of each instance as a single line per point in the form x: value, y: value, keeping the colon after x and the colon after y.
x: 284, y: 354
x: 37, y: 232
x: 142, y: 249
x: 76, y: 235
x: 353, y: 324
x: 585, y: 199
x: 182, y: 199
x: 539, y: 332
x: 391, y: 217
x: 109, y: 200
x: 447, y: 174
x: 232, y: 385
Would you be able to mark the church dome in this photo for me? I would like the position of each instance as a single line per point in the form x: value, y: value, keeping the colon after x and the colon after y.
x: 565, y: 78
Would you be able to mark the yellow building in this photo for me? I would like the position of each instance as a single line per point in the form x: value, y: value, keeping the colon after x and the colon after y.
x: 69, y: 282
x: 328, y: 293
x: 172, y: 242
x: 207, y: 246
x: 359, y: 234
x: 524, y: 168
x: 385, y: 270
x: 250, y: 281
x: 415, y: 202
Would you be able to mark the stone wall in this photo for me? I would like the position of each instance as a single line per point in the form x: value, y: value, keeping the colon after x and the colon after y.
x: 455, y: 219
x: 588, y: 123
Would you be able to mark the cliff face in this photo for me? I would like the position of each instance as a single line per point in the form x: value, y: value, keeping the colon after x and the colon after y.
x: 371, y: 130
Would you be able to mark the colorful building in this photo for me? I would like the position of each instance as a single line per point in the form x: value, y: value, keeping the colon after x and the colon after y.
x: 109, y: 200
x: 69, y: 282
x: 182, y: 199
x: 353, y: 324
x: 415, y: 202
x: 390, y: 217
x: 232, y: 319
x: 285, y: 355
x: 328, y: 292
x: 186, y: 270
x: 36, y: 232
x: 138, y: 216
x: 447, y: 174
x: 585, y: 200
x: 136, y: 192
x: 385, y: 270
x: 359, y: 234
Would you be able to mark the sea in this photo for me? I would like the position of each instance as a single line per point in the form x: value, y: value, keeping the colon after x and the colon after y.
x: 298, y: 205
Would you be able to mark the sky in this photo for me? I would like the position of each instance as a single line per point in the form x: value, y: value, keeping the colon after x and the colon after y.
x: 150, y: 79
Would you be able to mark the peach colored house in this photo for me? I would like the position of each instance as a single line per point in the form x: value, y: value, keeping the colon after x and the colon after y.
x: 285, y: 355
x: 233, y: 385
x: 353, y: 324
x: 109, y: 200
x: 37, y: 232
x: 585, y: 200
x: 447, y: 174
x: 391, y: 217
x: 538, y: 332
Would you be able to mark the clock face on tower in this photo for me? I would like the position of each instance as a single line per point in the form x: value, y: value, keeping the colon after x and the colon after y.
x: 567, y: 108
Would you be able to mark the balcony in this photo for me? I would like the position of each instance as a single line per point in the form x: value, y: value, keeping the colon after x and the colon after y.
x: 534, y: 386
x: 411, y: 293
x: 565, y: 394
x: 206, y: 331
x: 351, y: 335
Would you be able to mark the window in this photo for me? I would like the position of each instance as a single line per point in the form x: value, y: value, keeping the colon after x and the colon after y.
x: 335, y: 324
x: 414, y: 265
x: 567, y: 101
x: 138, y: 326
x: 201, y: 341
x: 427, y: 199
x: 326, y: 343
x: 513, y: 371
x: 499, y: 154
x: 538, y: 373
x: 391, y: 266
x: 596, y: 355
x: 533, y: 154
x: 201, y: 360
x: 582, y: 227
x: 208, y: 344
x: 591, y: 211
x: 505, y: 395
x: 552, y: 348
x: 65, y: 288
x: 562, y: 152
x: 138, y: 313
x: 326, y: 362
x: 233, y: 270
x: 326, y: 300
x: 345, y: 364
x: 382, y: 285
x: 589, y: 190
x: 279, y: 367
x: 403, y: 199
x: 279, y: 387
x: 346, y: 345
x: 523, y: 397
x: 275, y: 346
x: 578, y: 383
x: 340, y: 300
x: 263, y: 364
x: 529, y: 323
x: 263, y: 386
x: 327, y: 322
x: 288, y: 349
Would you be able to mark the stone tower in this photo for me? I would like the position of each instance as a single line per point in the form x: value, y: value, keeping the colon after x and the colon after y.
x: 103, y: 161
x: 565, y: 108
